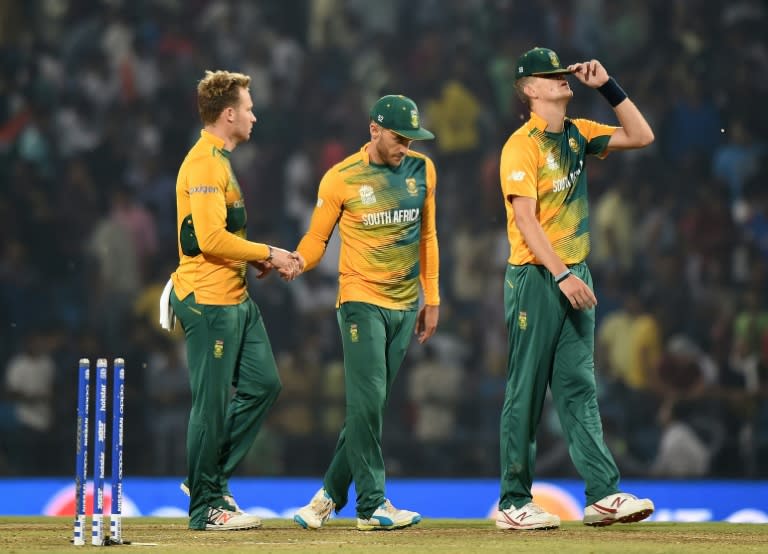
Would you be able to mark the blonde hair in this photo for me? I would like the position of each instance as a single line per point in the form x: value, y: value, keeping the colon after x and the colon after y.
x: 217, y: 91
x: 519, y: 89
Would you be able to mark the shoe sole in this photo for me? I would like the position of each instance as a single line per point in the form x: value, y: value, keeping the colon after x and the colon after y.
x: 414, y: 521
x: 507, y: 527
x: 238, y: 528
x: 298, y: 520
x: 630, y: 518
x: 508, y: 523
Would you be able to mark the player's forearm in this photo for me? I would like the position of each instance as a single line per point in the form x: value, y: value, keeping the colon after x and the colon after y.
x: 429, y: 252
x: 312, y: 247
x: 637, y: 129
x: 539, y: 244
x: 223, y: 244
x: 429, y: 264
x: 209, y: 216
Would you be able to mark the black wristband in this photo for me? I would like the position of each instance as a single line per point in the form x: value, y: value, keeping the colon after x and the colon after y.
x: 612, y: 92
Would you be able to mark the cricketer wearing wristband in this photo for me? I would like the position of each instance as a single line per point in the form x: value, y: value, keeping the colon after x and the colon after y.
x: 548, y: 294
x: 383, y: 199
x: 227, y: 344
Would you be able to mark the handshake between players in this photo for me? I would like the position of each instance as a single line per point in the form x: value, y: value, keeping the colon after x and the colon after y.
x: 288, y: 264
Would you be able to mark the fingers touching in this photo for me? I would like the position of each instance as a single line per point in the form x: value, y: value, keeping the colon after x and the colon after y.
x: 578, y: 293
x: 591, y: 73
x: 288, y: 264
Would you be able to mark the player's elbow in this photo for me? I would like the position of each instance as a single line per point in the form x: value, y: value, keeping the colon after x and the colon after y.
x: 208, y: 242
x: 525, y: 220
x: 646, y: 138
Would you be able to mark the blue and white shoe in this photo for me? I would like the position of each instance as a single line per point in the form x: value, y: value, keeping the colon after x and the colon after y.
x: 316, y: 513
x: 387, y: 517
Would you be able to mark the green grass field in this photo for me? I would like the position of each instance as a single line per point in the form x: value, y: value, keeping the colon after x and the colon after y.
x: 53, y: 534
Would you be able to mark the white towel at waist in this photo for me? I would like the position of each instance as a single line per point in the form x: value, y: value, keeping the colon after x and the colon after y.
x: 167, y: 315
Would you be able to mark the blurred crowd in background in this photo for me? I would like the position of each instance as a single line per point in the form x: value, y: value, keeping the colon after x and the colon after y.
x: 98, y: 108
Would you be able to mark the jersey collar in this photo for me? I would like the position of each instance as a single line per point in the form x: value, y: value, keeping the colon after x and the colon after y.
x: 364, y: 154
x: 217, y: 142
x: 541, y: 123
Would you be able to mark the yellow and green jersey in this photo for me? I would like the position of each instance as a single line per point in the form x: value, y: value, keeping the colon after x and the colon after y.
x: 550, y: 167
x: 211, y: 217
x: 386, y: 219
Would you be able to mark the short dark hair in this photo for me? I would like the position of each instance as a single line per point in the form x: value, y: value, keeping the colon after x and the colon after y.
x: 217, y: 91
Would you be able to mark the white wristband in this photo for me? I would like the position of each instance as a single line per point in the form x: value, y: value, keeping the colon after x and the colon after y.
x: 563, y: 276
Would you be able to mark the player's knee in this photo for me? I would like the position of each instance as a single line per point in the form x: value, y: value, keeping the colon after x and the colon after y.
x: 577, y: 384
x: 367, y: 411
x: 258, y: 392
x: 272, y: 387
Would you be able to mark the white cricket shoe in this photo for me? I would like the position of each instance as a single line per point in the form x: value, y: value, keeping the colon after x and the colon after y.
x: 620, y: 507
x: 528, y: 517
x: 220, y: 519
x: 387, y: 517
x: 317, y: 512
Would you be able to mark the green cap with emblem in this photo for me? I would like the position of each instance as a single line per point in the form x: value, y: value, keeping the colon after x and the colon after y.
x: 399, y: 114
x: 539, y: 61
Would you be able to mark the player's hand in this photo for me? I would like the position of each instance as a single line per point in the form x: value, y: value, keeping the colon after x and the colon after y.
x: 285, y: 263
x: 263, y: 268
x: 591, y: 73
x: 300, y: 259
x: 426, y: 323
x: 578, y: 293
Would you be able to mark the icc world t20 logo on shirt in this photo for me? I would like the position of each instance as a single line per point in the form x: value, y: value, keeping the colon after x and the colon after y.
x: 574, y: 145
x: 366, y: 195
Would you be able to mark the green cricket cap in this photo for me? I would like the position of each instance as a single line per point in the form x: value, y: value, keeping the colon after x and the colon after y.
x: 539, y: 61
x: 399, y: 114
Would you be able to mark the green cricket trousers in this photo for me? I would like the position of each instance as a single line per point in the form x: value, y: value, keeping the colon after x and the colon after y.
x: 227, y: 346
x: 375, y: 341
x: 550, y: 345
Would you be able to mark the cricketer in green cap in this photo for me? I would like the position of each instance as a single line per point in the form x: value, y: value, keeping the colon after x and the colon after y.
x: 400, y: 115
x: 538, y: 62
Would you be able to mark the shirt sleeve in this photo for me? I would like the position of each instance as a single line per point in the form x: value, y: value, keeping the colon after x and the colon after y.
x: 519, y: 168
x: 597, y: 135
x: 206, y: 187
x: 429, y: 255
x: 326, y: 214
